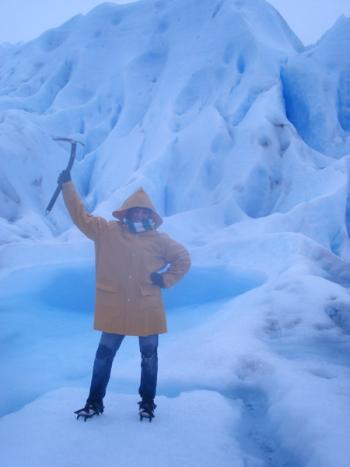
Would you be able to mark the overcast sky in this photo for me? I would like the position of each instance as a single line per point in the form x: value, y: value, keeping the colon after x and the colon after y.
x: 22, y: 20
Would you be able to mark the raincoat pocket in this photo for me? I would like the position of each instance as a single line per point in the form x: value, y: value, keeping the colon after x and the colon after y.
x: 107, y: 286
x: 107, y: 295
x: 149, y: 289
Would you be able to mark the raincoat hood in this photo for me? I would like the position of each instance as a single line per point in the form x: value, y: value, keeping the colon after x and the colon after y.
x: 139, y: 199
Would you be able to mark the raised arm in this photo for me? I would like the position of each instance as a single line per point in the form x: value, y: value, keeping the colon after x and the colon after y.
x: 88, y: 224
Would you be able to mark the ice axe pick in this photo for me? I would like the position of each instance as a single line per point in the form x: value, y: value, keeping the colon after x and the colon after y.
x: 73, y: 143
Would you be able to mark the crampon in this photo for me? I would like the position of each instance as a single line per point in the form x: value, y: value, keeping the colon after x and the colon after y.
x: 89, y: 411
x: 146, y: 410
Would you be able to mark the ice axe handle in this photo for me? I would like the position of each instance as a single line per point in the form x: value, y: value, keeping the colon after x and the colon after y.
x: 53, y: 199
x: 72, y: 157
x: 59, y: 187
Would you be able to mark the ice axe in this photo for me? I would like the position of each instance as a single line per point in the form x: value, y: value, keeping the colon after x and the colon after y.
x: 73, y: 151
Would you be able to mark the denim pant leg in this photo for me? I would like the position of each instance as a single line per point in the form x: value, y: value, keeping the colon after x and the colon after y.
x: 107, y: 348
x: 149, y: 366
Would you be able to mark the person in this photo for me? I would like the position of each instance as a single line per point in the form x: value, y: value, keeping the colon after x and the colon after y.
x: 134, y: 261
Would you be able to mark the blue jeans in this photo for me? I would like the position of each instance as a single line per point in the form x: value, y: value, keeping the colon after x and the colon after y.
x: 107, y: 348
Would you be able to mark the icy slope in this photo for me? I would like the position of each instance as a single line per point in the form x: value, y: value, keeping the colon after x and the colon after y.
x: 316, y: 88
x: 181, y: 438
x: 186, y: 98
x: 183, y: 98
x: 192, y: 71
x: 261, y: 380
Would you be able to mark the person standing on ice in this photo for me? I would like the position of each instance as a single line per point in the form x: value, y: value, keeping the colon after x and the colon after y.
x: 130, y: 253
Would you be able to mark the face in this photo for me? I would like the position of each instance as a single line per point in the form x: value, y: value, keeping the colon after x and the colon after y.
x: 138, y: 214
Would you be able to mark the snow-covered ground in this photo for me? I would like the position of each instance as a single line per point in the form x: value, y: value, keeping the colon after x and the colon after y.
x: 241, y: 137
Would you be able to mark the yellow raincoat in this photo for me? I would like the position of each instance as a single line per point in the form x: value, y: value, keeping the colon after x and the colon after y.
x: 127, y: 302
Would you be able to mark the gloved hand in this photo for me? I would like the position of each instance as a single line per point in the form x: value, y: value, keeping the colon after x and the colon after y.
x: 64, y: 177
x: 157, y: 279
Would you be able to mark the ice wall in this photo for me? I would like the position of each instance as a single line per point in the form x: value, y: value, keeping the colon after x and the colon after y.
x: 212, y: 106
x: 316, y: 89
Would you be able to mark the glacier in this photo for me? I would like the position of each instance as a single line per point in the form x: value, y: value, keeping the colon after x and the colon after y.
x: 241, y: 136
